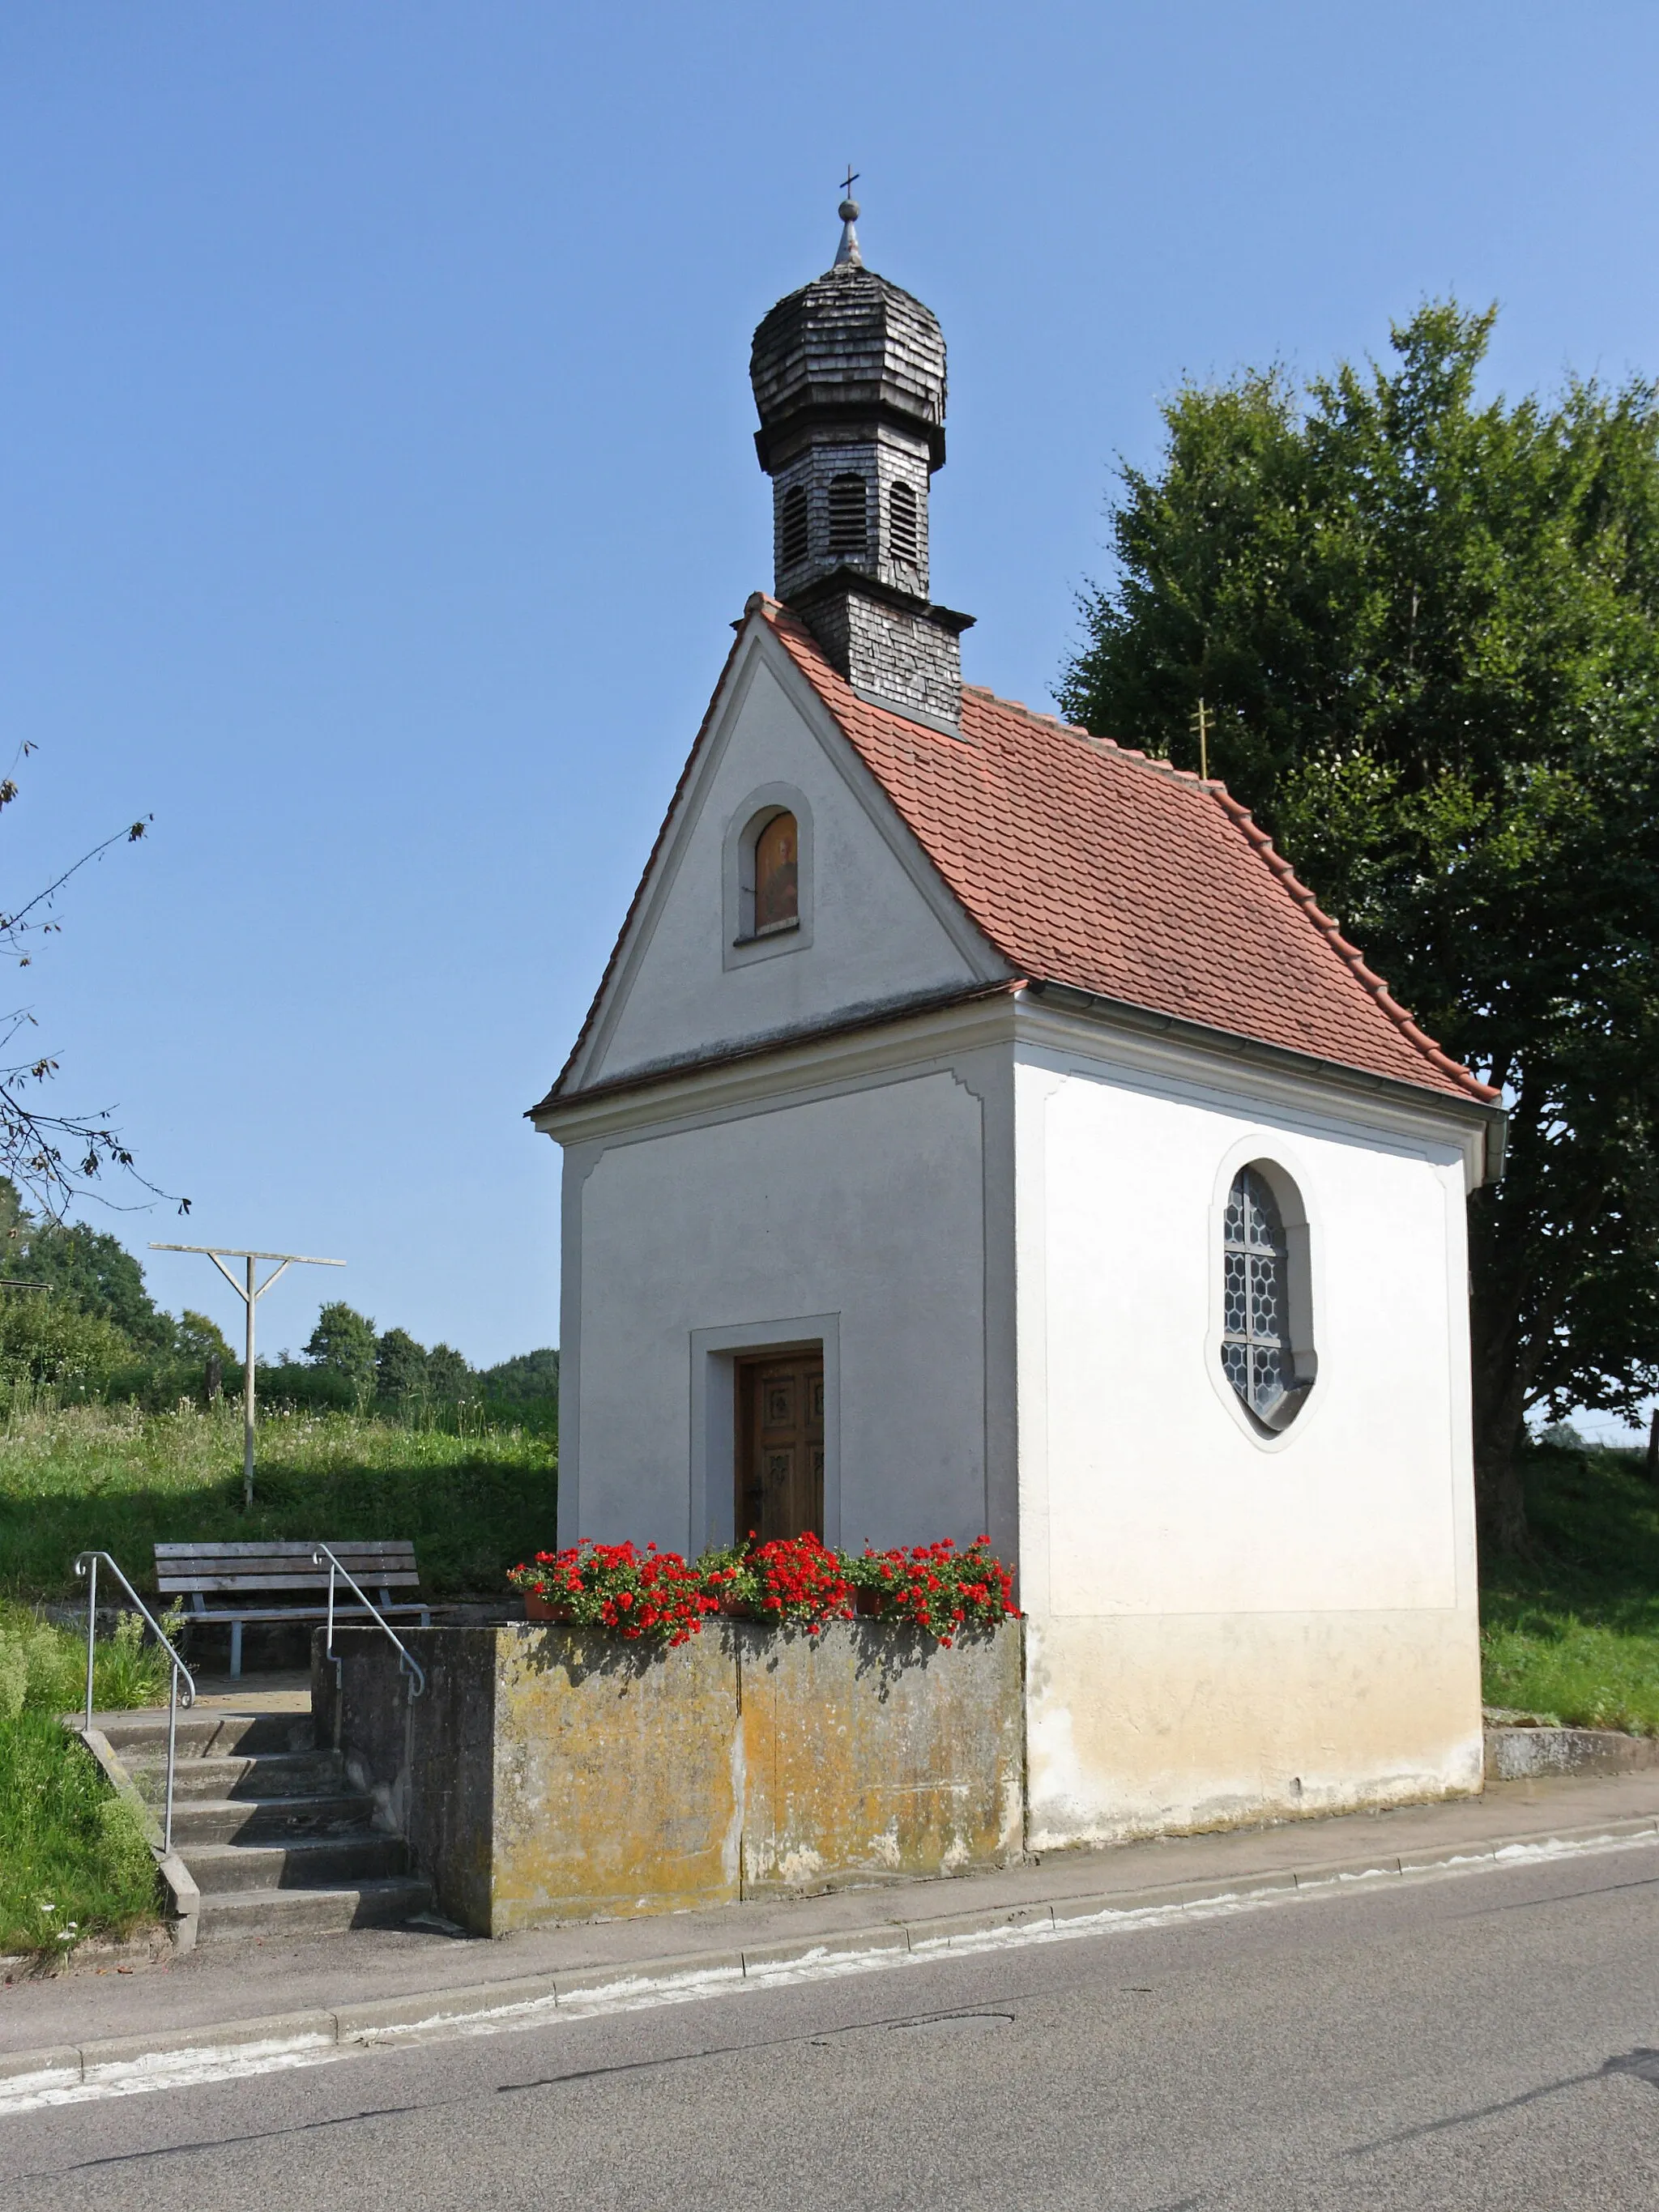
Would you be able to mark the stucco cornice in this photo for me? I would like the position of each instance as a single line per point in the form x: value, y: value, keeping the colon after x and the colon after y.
x: 869, y: 1044
x: 1045, y: 1019
x: 1057, y: 1015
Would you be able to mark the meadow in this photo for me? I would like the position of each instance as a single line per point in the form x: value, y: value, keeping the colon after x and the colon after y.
x: 474, y: 1491
x: 1572, y: 1633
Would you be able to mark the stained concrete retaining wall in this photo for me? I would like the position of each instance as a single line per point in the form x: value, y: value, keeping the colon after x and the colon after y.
x: 1517, y: 1754
x: 549, y: 1773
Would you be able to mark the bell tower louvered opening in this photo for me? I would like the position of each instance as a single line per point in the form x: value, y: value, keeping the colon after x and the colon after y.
x: 849, y: 514
x: 795, y: 528
x: 904, y: 536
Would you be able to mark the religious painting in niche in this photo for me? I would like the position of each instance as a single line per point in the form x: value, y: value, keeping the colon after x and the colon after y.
x: 780, y: 1486
x: 1257, y: 1355
x: 777, y: 874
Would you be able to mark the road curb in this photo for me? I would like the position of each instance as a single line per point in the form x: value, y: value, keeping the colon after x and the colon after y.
x: 125, y: 2060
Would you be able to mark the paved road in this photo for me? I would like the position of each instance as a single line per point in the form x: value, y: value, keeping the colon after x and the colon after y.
x: 1484, y: 2040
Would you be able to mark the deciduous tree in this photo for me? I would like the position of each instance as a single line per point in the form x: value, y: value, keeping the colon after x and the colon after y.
x: 1427, y: 627
x: 344, y: 1342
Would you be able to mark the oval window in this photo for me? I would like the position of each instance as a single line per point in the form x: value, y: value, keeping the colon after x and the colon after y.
x: 1267, y: 1348
x: 777, y: 874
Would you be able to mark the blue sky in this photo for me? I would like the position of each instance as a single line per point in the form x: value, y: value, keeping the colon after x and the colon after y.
x: 380, y: 483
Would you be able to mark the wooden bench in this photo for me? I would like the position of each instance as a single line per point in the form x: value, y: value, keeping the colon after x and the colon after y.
x: 244, y: 1573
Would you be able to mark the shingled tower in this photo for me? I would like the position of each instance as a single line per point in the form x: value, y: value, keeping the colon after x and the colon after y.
x: 848, y: 377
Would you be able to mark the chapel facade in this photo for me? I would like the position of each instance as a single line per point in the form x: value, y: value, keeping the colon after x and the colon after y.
x: 977, y: 1127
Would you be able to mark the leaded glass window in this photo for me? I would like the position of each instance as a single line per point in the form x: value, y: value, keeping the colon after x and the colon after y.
x: 1256, y: 1320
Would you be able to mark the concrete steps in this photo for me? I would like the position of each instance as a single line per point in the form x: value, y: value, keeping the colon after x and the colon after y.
x: 275, y: 1838
x: 243, y: 1912
x: 201, y: 1820
x: 274, y: 1774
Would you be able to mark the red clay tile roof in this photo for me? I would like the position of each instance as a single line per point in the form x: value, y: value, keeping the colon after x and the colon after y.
x: 1088, y: 865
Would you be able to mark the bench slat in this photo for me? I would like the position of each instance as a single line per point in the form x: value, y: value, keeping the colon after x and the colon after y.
x: 181, y: 1585
x: 216, y: 1612
x: 275, y: 1550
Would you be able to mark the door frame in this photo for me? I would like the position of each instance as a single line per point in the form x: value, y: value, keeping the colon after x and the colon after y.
x: 714, y: 1356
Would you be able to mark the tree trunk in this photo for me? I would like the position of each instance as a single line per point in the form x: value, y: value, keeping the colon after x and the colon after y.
x: 1653, y: 1447
x: 1500, y: 1503
x: 1503, y: 1323
x: 1500, y: 1421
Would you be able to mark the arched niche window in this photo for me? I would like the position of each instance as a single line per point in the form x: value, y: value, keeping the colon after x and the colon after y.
x: 766, y: 868
x: 1267, y: 1317
x: 794, y: 533
x: 777, y: 874
x: 903, y: 527
x: 849, y: 520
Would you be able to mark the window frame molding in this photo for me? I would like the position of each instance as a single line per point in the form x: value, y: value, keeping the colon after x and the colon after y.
x: 1286, y: 1175
x: 739, y: 945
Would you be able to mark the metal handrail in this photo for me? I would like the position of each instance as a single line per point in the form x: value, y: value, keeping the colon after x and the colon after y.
x: 86, y: 1564
x: 406, y: 1659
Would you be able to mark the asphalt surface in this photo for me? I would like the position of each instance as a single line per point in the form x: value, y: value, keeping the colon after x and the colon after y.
x: 1474, y: 2041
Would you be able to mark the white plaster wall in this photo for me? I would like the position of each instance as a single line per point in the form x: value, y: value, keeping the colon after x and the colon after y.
x: 875, y: 935
x: 868, y: 1205
x: 1223, y: 1628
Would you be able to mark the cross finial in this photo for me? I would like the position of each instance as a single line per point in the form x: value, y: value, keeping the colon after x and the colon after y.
x: 847, y: 252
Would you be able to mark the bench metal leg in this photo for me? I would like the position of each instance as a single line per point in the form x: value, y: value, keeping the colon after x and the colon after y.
x: 235, y: 1649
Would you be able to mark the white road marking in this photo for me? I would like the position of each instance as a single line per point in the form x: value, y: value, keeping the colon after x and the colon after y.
x: 185, y: 2069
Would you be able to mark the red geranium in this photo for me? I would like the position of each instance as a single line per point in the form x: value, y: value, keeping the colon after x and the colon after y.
x: 650, y: 1594
x: 936, y: 1587
x: 794, y: 1579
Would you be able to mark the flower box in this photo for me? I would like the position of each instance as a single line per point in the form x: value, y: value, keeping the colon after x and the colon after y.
x: 794, y: 1582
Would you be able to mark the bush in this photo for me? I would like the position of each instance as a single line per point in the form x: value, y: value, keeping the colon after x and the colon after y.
x: 46, y: 1342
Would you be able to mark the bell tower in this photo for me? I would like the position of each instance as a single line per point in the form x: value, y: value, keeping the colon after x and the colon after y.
x: 849, y: 378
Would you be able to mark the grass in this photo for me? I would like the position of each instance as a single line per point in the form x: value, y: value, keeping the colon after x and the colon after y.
x: 474, y: 1496
x: 1574, y: 1632
x: 74, y: 1861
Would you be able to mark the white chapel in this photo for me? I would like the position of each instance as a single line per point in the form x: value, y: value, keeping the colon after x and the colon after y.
x: 978, y: 1127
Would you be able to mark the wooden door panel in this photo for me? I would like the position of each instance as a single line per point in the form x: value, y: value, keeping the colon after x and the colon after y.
x: 779, y: 1471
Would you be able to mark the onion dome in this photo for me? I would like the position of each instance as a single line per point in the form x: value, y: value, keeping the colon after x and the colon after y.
x: 848, y: 347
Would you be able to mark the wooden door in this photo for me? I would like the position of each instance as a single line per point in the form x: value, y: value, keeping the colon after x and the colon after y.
x: 781, y: 1445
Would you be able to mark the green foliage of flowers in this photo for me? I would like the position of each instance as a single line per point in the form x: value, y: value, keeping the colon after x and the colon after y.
x: 1572, y: 1632
x: 73, y: 1858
